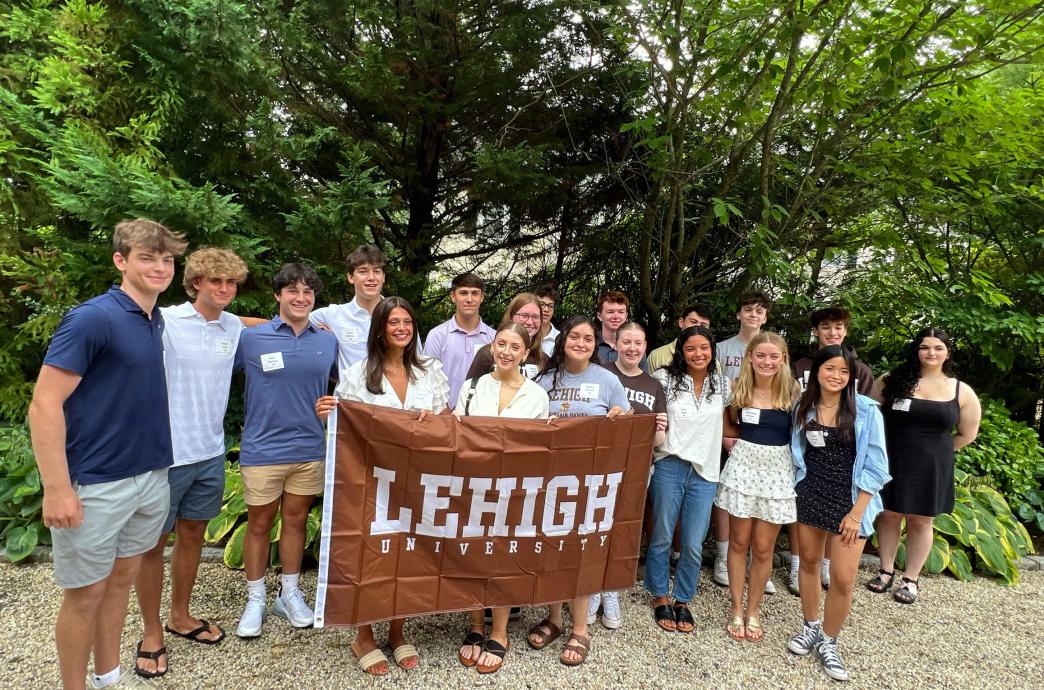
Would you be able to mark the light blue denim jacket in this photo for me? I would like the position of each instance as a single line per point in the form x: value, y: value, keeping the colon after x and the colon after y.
x: 870, y: 471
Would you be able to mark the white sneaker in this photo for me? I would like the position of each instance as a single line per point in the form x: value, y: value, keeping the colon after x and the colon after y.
x: 770, y: 588
x: 824, y: 577
x: 794, y: 584
x: 611, y: 617
x: 593, y: 606
x: 293, y: 607
x: 128, y: 679
x: 252, y: 619
x: 721, y: 571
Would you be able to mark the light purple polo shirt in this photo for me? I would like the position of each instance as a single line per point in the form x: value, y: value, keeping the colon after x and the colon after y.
x: 455, y: 348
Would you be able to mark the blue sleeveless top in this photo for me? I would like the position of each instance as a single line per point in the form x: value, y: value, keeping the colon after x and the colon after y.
x: 772, y: 427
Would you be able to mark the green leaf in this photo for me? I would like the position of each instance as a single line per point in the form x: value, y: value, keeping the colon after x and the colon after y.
x: 938, y: 556
x: 960, y: 566
x: 900, y: 555
x: 233, y: 555
x: 221, y: 525
x: 277, y: 529
x: 20, y: 542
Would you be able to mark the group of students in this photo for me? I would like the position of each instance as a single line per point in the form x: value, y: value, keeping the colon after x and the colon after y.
x: 128, y: 390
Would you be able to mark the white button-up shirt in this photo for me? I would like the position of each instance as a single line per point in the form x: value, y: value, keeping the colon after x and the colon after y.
x: 199, y: 356
x: 694, y: 426
x: 351, y: 324
x: 429, y: 392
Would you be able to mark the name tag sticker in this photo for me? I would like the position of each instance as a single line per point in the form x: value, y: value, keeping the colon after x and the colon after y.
x: 223, y: 345
x: 902, y: 405
x: 685, y: 412
x: 816, y: 438
x: 273, y: 361
x: 750, y: 415
x: 589, y: 391
x: 423, y: 400
x: 530, y: 371
x: 350, y: 335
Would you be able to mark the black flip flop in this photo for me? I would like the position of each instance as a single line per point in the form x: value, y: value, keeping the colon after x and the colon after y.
x: 472, y: 639
x: 194, y: 635
x: 152, y: 656
x: 496, y: 649
x: 663, y: 613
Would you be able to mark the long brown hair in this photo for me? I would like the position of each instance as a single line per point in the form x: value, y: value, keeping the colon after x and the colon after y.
x: 377, y: 348
x: 846, y: 410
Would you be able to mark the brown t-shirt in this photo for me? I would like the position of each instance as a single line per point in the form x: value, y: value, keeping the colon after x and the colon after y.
x: 483, y: 363
x: 863, y: 376
x: 643, y: 391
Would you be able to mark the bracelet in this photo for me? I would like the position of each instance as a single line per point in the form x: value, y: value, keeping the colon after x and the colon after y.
x: 855, y: 520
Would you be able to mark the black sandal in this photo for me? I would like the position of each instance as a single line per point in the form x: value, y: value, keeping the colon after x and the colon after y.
x: 152, y: 656
x: 496, y: 649
x: 878, y: 585
x: 472, y: 639
x: 662, y: 614
x: 903, y: 595
x: 683, y: 616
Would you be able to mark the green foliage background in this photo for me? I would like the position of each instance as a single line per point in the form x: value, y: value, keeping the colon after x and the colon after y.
x: 884, y: 156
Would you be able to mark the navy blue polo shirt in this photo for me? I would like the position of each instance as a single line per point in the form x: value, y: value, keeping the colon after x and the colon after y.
x: 116, y: 421
x: 285, y: 375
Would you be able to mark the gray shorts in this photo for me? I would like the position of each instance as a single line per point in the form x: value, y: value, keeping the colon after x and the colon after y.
x: 120, y: 519
x: 196, y: 491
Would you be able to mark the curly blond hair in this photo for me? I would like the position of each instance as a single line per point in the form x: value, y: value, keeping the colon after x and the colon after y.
x: 211, y: 262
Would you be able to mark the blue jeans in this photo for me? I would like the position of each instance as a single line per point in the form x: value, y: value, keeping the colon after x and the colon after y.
x: 680, y: 496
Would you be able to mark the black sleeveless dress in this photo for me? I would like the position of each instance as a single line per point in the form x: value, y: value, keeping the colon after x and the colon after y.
x: 920, y: 455
x: 824, y: 496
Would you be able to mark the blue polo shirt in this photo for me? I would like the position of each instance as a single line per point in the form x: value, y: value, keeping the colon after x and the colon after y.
x: 285, y: 375
x: 116, y: 421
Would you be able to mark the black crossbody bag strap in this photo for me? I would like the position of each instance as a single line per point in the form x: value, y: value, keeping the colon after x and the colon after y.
x: 472, y: 382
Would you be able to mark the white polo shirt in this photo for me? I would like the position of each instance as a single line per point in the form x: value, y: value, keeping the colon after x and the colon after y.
x: 199, y: 355
x: 530, y: 401
x: 351, y: 324
x: 547, y: 343
x: 429, y: 392
x: 694, y: 426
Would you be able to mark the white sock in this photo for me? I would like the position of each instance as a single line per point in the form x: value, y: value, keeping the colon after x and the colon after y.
x: 256, y: 588
x: 825, y: 567
x: 723, y: 549
x: 289, y: 582
x: 107, y: 679
x: 795, y: 565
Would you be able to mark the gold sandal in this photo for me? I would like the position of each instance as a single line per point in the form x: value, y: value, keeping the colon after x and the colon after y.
x: 735, y: 628
x: 754, y: 626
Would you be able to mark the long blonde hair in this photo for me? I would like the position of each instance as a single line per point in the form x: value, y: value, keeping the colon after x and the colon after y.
x: 782, y: 382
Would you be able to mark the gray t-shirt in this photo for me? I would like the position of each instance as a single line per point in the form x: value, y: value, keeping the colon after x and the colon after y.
x: 730, y: 356
x: 592, y: 392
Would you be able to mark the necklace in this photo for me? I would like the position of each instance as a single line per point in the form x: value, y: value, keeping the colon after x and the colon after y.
x: 828, y: 407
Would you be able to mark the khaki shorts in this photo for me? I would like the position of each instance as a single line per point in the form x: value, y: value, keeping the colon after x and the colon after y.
x: 263, y: 484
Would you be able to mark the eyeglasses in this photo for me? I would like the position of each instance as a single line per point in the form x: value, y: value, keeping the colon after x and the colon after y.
x: 527, y: 317
x: 547, y: 305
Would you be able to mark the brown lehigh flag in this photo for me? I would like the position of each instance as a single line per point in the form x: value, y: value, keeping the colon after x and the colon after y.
x: 453, y: 515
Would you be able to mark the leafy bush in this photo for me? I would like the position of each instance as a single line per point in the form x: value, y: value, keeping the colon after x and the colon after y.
x: 1008, y: 457
x: 981, y: 533
x: 21, y: 495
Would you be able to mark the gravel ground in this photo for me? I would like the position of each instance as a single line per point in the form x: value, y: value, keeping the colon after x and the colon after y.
x: 959, y: 635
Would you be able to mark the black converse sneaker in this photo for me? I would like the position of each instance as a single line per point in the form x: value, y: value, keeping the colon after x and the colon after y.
x: 826, y: 650
x: 806, y: 640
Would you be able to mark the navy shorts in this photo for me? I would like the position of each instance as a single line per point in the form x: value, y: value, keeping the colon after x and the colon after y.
x: 196, y: 491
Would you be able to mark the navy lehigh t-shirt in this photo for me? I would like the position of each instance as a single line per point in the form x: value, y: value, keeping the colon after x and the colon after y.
x: 117, y: 422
